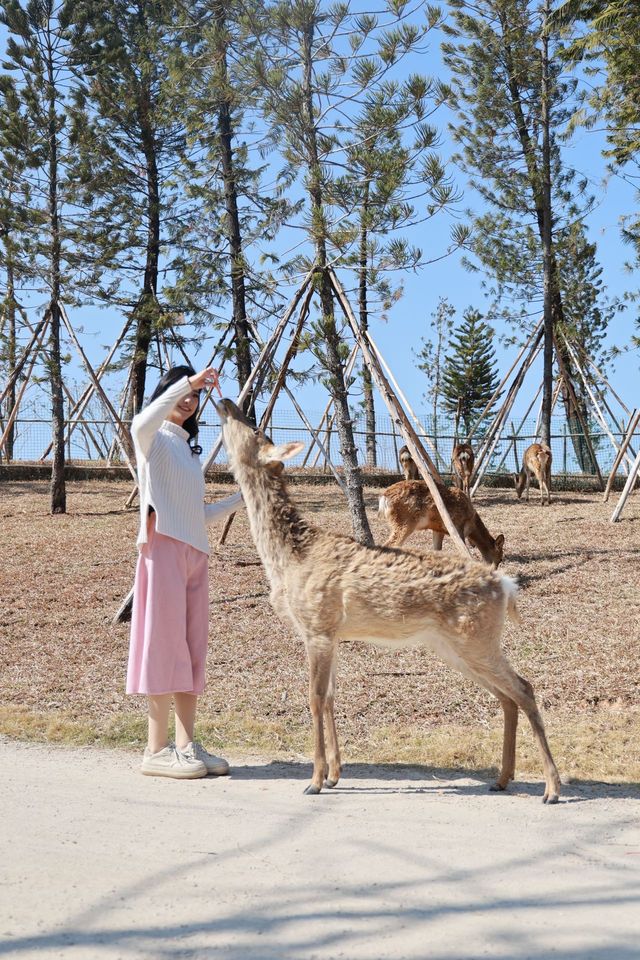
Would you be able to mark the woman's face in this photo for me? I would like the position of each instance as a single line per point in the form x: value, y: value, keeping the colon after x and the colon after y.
x: 184, y: 408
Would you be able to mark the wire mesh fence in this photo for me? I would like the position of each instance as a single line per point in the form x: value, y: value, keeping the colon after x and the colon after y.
x: 95, y: 441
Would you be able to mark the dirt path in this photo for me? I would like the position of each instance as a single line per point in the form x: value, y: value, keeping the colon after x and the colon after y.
x: 100, y: 862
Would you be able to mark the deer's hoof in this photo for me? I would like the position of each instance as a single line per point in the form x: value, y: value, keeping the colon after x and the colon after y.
x: 312, y: 790
x: 551, y: 798
x: 330, y: 783
x: 497, y: 788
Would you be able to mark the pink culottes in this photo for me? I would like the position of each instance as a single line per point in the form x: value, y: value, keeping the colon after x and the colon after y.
x: 170, y: 618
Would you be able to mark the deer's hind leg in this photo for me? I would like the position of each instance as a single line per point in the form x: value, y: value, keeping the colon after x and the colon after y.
x: 401, y: 532
x: 508, y: 768
x: 321, y: 655
x: 510, y: 713
x: 516, y: 688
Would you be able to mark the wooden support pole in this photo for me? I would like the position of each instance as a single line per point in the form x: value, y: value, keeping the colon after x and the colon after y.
x: 81, y: 403
x: 578, y: 412
x: 123, y: 435
x: 598, y: 411
x: 34, y: 356
x: 628, y: 487
x: 423, y: 434
x: 486, y: 451
x: 425, y: 465
x: 496, y: 393
x: 24, y: 358
x: 516, y: 433
x: 261, y: 365
x: 633, y: 423
x: 347, y: 372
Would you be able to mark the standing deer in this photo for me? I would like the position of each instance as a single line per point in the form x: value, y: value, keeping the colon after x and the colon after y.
x: 408, y: 464
x: 332, y: 588
x: 463, y: 460
x: 408, y: 506
x: 535, y: 463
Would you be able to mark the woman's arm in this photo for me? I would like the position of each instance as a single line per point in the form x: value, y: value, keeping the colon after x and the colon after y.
x: 222, y: 508
x: 146, y: 424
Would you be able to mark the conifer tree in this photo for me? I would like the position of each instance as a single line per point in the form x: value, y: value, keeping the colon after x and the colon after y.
x: 37, y: 54
x: 470, y: 375
x: 431, y: 357
x: 233, y: 215
x: 17, y: 226
x: 394, y: 178
x: 129, y: 146
x: 513, y: 103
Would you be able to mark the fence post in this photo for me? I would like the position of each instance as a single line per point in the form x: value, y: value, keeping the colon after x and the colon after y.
x: 564, y: 449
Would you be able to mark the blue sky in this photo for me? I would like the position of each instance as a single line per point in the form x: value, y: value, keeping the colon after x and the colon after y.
x: 408, y: 320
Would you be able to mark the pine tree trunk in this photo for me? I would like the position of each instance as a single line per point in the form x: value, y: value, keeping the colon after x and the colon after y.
x: 10, y: 307
x: 225, y: 131
x: 58, y: 497
x: 554, y: 318
x: 367, y: 382
x: 146, y: 309
x: 547, y: 251
x: 333, y: 342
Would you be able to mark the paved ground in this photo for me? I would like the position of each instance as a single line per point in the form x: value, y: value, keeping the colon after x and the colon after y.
x: 98, y: 861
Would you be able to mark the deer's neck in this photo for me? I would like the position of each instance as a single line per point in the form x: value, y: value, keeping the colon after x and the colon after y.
x: 279, y: 533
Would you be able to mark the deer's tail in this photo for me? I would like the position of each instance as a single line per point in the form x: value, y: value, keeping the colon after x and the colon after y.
x: 510, y: 588
x: 383, y: 506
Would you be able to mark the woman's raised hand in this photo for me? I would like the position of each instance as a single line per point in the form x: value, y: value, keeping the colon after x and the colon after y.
x: 205, y: 379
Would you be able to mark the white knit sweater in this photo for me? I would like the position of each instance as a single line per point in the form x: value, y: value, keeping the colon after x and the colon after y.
x: 170, y: 477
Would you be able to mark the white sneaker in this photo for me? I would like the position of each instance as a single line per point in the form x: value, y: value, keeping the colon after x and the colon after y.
x: 215, y: 765
x: 171, y: 762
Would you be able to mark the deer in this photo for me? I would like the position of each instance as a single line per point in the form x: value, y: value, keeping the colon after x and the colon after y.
x: 408, y: 506
x: 535, y: 463
x: 408, y: 464
x: 463, y: 460
x: 330, y: 588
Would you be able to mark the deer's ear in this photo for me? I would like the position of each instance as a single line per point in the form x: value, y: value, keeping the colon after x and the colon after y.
x: 500, y: 540
x: 282, y: 451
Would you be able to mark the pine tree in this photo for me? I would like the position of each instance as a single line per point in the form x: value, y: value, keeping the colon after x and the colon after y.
x: 233, y: 214
x: 129, y: 146
x: 431, y: 358
x: 513, y: 103
x: 38, y: 54
x: 470, y: 374
x: 18, y: 226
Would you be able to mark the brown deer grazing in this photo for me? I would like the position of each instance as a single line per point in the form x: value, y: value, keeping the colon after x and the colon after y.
x: 535, y: 463
x: 463, y: 460
x: 408, y: 506
x: 408, y: 464
x: 331, y: 588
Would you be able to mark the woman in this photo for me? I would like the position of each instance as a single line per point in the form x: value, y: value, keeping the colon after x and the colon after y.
x: 170, y: 618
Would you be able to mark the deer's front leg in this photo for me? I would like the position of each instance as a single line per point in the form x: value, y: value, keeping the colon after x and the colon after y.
x: 320, y: 653
x: 437, y: 539
x: 333, y: 749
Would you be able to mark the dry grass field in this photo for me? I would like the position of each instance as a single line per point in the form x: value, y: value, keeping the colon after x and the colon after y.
x: 62, y: 662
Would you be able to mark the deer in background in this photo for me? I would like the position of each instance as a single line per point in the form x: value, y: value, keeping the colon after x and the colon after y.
x: 408, y: 506
x: 463, y: 460
x: 408, y: 464
x: 331, y: 588
x: 535, y: 463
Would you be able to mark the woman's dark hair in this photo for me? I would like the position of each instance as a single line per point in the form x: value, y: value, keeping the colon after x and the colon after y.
x: 167, y: 380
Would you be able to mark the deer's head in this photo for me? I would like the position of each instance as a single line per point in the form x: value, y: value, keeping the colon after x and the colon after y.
x: 519, y: 481
x: 248, y: 445
x: 497, y: 552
